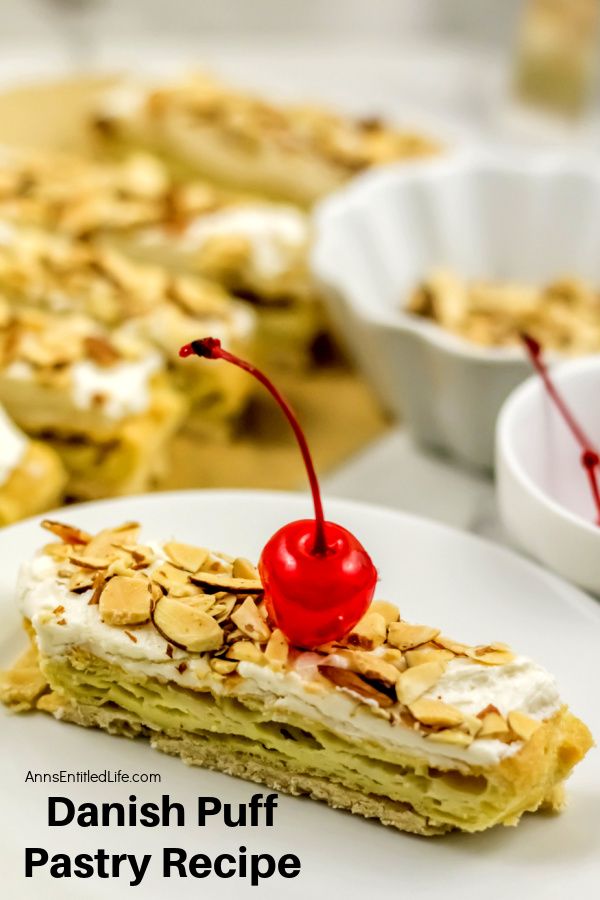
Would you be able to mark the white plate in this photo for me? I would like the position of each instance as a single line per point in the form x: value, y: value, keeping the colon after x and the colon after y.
x: 474, y: 590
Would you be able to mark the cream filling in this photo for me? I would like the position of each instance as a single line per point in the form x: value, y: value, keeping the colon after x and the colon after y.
x: 124, y: 388
x: 520, y: 685
x: 13, y: 446
x: 275, y: 234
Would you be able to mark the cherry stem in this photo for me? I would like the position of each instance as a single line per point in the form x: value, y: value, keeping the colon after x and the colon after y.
x: 210, y: 348
x: 590, y: 458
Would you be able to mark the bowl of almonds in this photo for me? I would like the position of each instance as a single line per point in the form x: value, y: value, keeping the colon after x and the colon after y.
x: 433, y: 273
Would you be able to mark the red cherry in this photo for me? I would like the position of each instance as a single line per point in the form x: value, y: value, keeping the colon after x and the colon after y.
x: 316, y: 598
x: 318, y: 579
x: 590, y: 458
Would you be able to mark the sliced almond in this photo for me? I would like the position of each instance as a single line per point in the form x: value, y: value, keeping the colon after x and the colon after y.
x: 243, y: 568
x: 405, y: 636
x: 389, y: 612
x: 350, y: 681
x: 59, y: 552
x: 167, y: 576
x: 372, y: 667
x: 453, y: 736
x: 493, y: 725
x: 449, y: 644
x: 250, y: 622
x: 223, y: 666
x: 91, y: 563
x: 245, y: 651
x: 69, y: 534
x: 185, y: 626
x: 125, y: 601
x: 223, y: 582
x: 102, y: 545
x: 434, y: 712
x: 395, y: 658
x: 186, y: 556
x: 369, y: 632
x: 277, y: 650
x: 418, y: 679
x: 492, y: 654
x: 80, y: 582
x: 523, y: 726
x: 427, y: 654
x: 141, y: 556
x: 99, y: 582
x: 223, y: 606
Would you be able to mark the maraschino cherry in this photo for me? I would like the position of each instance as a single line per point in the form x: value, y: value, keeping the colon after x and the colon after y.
x: 318, y: 579
x: 590, y: 458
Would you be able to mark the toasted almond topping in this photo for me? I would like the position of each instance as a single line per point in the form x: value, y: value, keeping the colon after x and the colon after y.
x: 350, y: 681
x: 61, y: 621
x: 102, y: 545
x: 141, y: 557
x: 79, y: 582
x: 493, y: 725
x: 125, y: 601
x: 523, y: 726
x: 168, y: 576
x: 243, y: 568
x: 405, y: 636
x: 427, y: 654
x: 186, y: 556
x: 471, y: 724
x: 250, y: 622
x: 453, y: 736
x: 223, y: 582
x: 99, y: 582
x: 182, y: 667
x: 449, y: 644
x: 493, y: 655
x: 418, y: 679
x: 69, y: 534
x: 434, y: 712
x: 277, y: 650
x: 487, y: 709
x: 372, y: 667
x: 58, y: 610
x: 84, y: 562
x: 185, y: 626
x: 369, y: 632
x: 223, y: 666
x: 389, y: 612
x: 58, y: 552
x: 223, y: 606
x: 395, y: 658
x: 245, y: 651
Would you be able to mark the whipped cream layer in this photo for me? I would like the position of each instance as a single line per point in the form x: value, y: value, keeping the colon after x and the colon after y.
x: 13, y: 446
x: 124, y: 386
x: 520, y: 685
x: 275, y: 234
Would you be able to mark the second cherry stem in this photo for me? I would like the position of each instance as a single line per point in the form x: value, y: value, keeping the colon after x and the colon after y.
x: 590, y: 459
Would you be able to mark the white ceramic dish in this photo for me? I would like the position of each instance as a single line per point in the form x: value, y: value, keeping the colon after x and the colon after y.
x: 470, y: 588
x: 543, y: 491
x: 483, y: 217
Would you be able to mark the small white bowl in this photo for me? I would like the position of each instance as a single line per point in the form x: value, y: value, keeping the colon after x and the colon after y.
x: 517, y: 219
x: 543, y: 491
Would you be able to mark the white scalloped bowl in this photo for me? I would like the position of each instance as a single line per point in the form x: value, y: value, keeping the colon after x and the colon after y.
x: 543, y: 491
x: 512, y: 219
